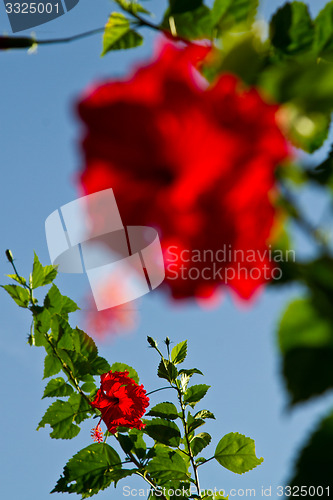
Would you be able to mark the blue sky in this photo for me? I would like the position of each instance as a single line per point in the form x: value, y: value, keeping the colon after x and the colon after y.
x: 235, y: 347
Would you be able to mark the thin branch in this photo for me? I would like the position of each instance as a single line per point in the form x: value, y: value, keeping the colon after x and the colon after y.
x: 16, y: 42
x: 19, y: 42
x: 194, y: 465
x: 161, y: 389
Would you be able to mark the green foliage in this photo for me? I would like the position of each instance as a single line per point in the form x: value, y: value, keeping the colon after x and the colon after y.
x: 167, y: 465
x: 134, y: 443
x: 57, y: 387
x: 132, y: 7
x: 179, y: 352
x: 204, y: 414
x: 229, y: 14
x: 193, y: 24
x: 199, y: 442
x: 292, y: 29
x: 306, y: 341
x: 323, y: 42
x: 236, y: 453
x: 168, y: 460
x: 167, y: 370
x: 195, y: 393
x: 20, y: 295
x: 92, y: 469
x: 317, y: 451
x: 193, y: 423
x: 181, y: 6
x: 19, y: 279
x: 163, y: 431
x: 52, y: 365
x: 42, y: 275
x: 307, y: 113
x: 164, y: 410
x: 122, y: 367
x: 119, y: 35
x: 60, y: 416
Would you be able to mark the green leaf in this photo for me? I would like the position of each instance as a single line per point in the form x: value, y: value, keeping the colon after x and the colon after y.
x: 314, y: 464
x: 133, y: 442
x: 193, y: 25
x: 85, y: 344
x: 307, y: 131
x: 122, y: 367
x: 17, y: 278
x: 163, y: 431
x: 83, y: 359
x: 60, y: 416
x: 181, y: 6
x: 292, y: 29
x: 139, y: 445
x: 323, y: 41
x: 57, y: 387
x: 190, y: 372
x: 195, y: 393
x: 20, y: 295
x: 167, y: 370
x: 185, y: 376
x: 227, y: 14
x: 89, y: 387
x: 132, y: 7
x: 301, y: 325
x: 52, y: 365
x: 292, y: 82
x: 199, y: 442
x: 306, y: 341
x: 167, y: 465
x: 99, y: 366
x: 61, y: 333
x: 50, y: 273
x: 42, y: 323
x: 68, y: 305
x: 91, y: 470
x: 37, y: 277
x: 42, y: 275
x: 236, y: 453
x: 81, y: 407
x: 204, y: 414
x: 194, y: 423
x: 179, y: 352
x: 118, y: 34
x: 164, y: 410
x: 53, y: 300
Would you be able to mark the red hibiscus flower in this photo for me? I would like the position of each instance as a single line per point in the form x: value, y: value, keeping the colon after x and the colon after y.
x: 196, y: 162
x: 121, y: 401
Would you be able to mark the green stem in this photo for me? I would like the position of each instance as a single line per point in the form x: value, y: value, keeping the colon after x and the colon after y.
x: 11, y: 261
x: 208, y: 460
x: 67, y: 370
x: 190, y: 454
x: 146, y: 477
x: 17, y: 42
x: 161, y: 389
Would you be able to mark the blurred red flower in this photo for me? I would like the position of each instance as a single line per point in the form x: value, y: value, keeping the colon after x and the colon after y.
x: 121, y: 401
x: 194, y: 161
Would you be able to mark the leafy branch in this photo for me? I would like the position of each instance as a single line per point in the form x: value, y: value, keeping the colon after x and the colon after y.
x: 166, y: 464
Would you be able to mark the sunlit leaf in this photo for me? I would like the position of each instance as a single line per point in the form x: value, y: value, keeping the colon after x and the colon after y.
x: 236, y: 453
